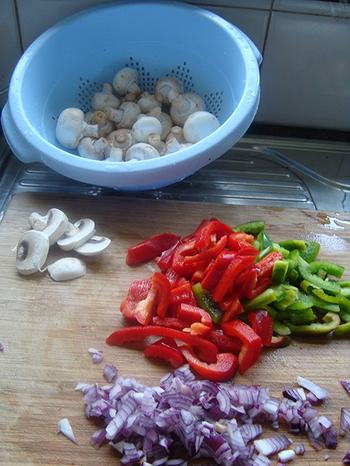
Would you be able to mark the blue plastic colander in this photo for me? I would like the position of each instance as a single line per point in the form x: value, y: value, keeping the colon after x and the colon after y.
x: 67, y: 64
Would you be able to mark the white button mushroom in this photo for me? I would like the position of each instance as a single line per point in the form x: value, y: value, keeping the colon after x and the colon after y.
x: 178, y: 133
x: 141, y: 151
x: 71, y: 128
x: 105, y: 125
x: 199, y: 125
x: 67, y: 268
x: 167, y: 89
x: 91, y: 148
x: 105, y: 99
x: 145, y: 126
x: 148, y: 102
x: 95, y: 245
x: 126, y: 82
x: 53, y: 224
x: 164, y: 119
x: 114, y: 154
x: 80, y: 232
x: 125, y: 116
x: 32, y: 251
x: 155, y: 141
x: 121, y: 138
x: 172, y: 144
x: 184, y: 105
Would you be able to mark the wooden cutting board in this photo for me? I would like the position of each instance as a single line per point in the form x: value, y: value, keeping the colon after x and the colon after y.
x: 47, y: 327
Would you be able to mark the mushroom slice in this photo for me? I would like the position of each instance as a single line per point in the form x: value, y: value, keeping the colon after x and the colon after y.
x: 67, y: 268
x: 32, y: 252
x: 82, y: 231
x: 94, y: 246
x: 53, y: 224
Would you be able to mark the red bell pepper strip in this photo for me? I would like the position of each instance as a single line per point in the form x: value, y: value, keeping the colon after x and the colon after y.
x: 182, y: 294
x: 252, y: 343
x: 207, y: 351
x: 241, y: 236
x: 236, y: 266
x: 170, y: 322
x: 234, y: 309
x: 165, y: 260
x: 194, y: 314
x: 161, y: 286
x: 138, y: 292
x: 150, y: 248
x: 246, y: 282
x: 216, y: 269
x: 166, y: 350
x: 221, y: 371
x: 204, y: 234
x: 265, y: 266
x: 205, y: 255
x: 224, y: 343
x: 262, y: 285
x: 262, y: 324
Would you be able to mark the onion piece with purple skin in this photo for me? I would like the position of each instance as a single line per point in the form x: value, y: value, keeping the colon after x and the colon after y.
x: 299, y: 449
x: 346, y: 385
x: 2, y: 348
x: 344, y: 421
x: 346, y: 459
x: 320, y: 393
x: 96, y: 355
x: 110, y: 372
x: 272, y: 445
x: 294, y: 394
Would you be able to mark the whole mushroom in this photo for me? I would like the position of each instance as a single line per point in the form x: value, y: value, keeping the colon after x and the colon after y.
x: 105, y: 125
x: 125, y: 116
x: 199, y: 125
x: 141, y: 151
x: 164, y: 119
x: 121, y: 138
x: 155, y: 141
x: 184, y: 105
x: 178, y: 133
x: 126, y: 82
x: 114, y: 154
x: 145, y: 126
x: 105, y: 98
x: 90, y: 148
x: 148, y: 102
x: 167, y: 89
x: 71, y: 128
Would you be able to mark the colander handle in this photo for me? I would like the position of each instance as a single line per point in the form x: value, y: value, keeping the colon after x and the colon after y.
x: 254, y: 48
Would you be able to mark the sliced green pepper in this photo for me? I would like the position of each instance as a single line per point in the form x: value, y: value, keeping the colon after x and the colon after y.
x: 292, y: 244
x: 264, y: 240
x: 286, y: 295
x: 205, y: 301
x: 344, y: 283
x: 251, y: 228
x: 304, y: 301
x: 263, y: 253
x: 343, y: 302
x: 279, y: 271
x: 329, y: 323
x: 311, y: 252
x: 345, y: 316
x: 302, y: 316
x: 280, y: 328
x: 293, y: 276
x: 266, y: 297
x: 304, y: 270
x: 329, y: 267
x: 345, y: 291
x: 293, y: 259
x: 342, y: 330
x: 323, y: 306
x: 276, y: 247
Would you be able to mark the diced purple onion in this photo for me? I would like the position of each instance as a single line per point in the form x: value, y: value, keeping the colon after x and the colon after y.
x: 294, y: 394
x: 346, y: 385
x: 110, y: 372
x: 346, y: 459
x: 299, y: 449
x: 344, y: 421
x: 96, y: 355
x: 272, y: 445
x: 320, y: 393
x: 261, y: 460
x: 286, y: 455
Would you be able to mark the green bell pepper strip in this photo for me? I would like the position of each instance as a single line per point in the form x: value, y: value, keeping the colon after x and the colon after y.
x: 342, y: 330
x: 307, y: 286
x: 281, y: 328
x: 323, y: 306
x: 251, y: 228
x: 205, y: 301
x: 302, y: 316
x: 345, y: 316
x: 276, y: 247
x: 263, y: 253
x: 286, y: 295
x: 293, y: 276
x: 264, y: 240
x: 311, y: 252
x: 304, y: 301
x: 344, y: 303
x: 293, y: 259
x: 266, y: 297
x: 292, y: 244
x: 279, y: 271
x: 329, y: 267
x: 345, y: 292
x: 344, y: 284
x: 306, y: 274
x: 329, y: 323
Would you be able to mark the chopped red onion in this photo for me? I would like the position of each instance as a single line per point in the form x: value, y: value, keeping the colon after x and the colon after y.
x: 320, y: 393
x: 110, y: 372
x: 346, y: 385
x: 269, y: 446
x: 344, y: 421
x: 96, y: 355
x: 261, y: 460
x: 299, y: 449
x: 346, y: 459
x: 286, y: 455
x: 65, y: 428
x: 2, y: 348
x: 294, y: 394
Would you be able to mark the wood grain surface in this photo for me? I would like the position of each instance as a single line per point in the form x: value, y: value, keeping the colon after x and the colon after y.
x: 47, y: 327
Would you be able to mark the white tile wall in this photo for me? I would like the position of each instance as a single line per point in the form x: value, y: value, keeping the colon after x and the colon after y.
x: 10, y: 48
x: 306, y: 72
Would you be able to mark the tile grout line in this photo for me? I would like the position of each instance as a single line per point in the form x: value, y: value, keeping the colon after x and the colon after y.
x: 18, y: 25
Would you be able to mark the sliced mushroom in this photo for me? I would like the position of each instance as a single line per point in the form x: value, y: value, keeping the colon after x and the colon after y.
x: 32, y: 251
x: 79, y: 233
x: 94, y: 246
x: 67, y: 268
x: 53, y: 224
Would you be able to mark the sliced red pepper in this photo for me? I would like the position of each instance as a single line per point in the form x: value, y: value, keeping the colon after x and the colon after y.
x: 252, y: 343
x: 171, y: 322
x: 204, y: 234
x: 161, y: 286
x: 236, y: 266
x: 233, y: 310
x: 262, y: 324
x: 165, y: 260
x: 246, y: 282
x: 197, y: 276
x: 216, y: 269
x: 138, y: 291
x: 182, y: 294
x: 194, y: 314
x: 224, y: 343
x: 221, y: 371
x: 241, y: 236
x: 207, y: 351
x: 182, y: 251
x: 150, y: 248
x: 280, y: 341
x: 207, y: 254
x: 172, y: 276
x: 265, y: 266
x: 263, y: 284
x: 166, y: 350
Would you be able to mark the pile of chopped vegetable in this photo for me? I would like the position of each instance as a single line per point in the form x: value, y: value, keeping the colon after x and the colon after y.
x: 223, y: 293
x: 185, y: 417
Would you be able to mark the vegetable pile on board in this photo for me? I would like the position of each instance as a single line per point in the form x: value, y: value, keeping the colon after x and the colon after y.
x: 223, y: 294
x: 127, y: 124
